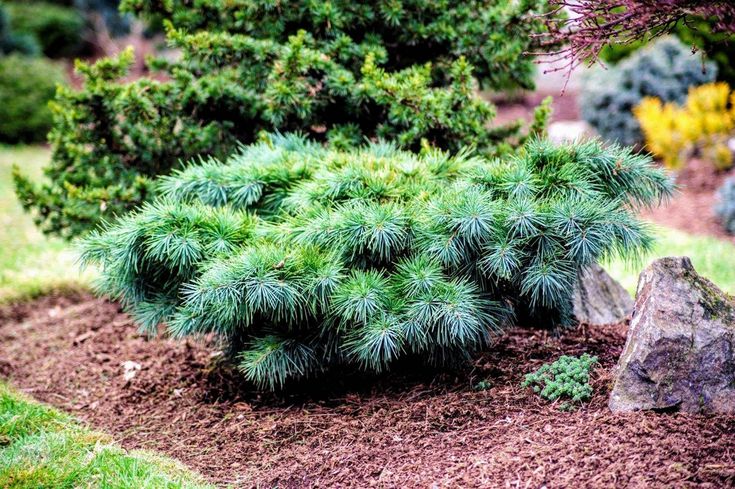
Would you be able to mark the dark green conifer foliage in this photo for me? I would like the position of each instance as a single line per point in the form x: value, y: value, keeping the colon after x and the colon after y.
x: 339, y: 71
x: 57, y: 29
x: 304, y: 258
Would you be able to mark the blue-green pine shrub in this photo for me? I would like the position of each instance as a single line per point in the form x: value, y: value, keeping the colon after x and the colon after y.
x: 305, y: 258
x: 699, y: 33
x: 725, y: 206
x: 664, y: 69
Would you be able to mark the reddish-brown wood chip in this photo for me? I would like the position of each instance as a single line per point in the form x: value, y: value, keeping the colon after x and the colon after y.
x: 405, y: 429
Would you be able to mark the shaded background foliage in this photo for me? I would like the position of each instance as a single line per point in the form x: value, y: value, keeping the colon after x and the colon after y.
x: 338, y: 71
x: 696, y: 32
x: 26, y: 86
x: 41, y: 31
x: 665, y: 69
x: 58, y: 30
x: 725, y: 207
x: 12, y: 41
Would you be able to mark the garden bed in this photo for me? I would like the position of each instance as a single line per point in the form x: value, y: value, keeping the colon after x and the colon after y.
x: 692, y: 208
x: 406, y: 429
x: 564, y: 107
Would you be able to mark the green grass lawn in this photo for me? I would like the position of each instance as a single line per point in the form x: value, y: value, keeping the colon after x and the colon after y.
x: 31, y: 264
x: 41, y: 447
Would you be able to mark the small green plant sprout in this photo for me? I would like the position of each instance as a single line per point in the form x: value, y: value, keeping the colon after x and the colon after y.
x: 568, y: 377
x: 483, y: 385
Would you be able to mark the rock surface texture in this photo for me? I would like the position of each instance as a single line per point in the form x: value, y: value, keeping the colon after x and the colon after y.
x: 679, y: 355
x: 599, y: 299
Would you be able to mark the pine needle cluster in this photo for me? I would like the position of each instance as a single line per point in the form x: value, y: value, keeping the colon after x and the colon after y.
x: 304, y: 258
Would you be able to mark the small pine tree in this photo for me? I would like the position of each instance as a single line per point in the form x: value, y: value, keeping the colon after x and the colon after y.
x: 568, y: 377
x: 338, y: 71
x: 304, y: 258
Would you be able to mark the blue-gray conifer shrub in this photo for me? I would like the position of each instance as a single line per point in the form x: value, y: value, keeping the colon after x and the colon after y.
x: 304, y: 258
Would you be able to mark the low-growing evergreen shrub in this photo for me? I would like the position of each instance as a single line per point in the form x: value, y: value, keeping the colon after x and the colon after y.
x: 305, y: 258
x: 725, y: 206
x: 665, y: 70
x: 566, y: 378
x: 702, y: 126
x: 339, y: 71
x: 26, y: 87
x: 57, y: 29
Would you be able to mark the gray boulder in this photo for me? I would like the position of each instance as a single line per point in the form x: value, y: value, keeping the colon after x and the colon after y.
x: 679, y: 355
x: 598, y: 299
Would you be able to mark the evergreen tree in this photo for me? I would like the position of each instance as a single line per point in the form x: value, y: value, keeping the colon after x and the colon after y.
x: 338, y: 71
x: 304, y: 258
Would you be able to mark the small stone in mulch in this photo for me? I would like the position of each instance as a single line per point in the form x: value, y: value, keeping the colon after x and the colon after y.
x: 599, y: 299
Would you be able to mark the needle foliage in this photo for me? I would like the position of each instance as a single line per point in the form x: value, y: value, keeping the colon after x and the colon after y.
x: 340, y: 71
x: 305, y: 258
x: 568, y: 377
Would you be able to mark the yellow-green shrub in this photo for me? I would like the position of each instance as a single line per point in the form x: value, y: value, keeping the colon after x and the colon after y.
x: 703, y: 124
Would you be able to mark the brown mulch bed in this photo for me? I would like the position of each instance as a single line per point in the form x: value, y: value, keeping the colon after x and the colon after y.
x: 564, y: 107
x: 406, y: 429
x: 691, y: 209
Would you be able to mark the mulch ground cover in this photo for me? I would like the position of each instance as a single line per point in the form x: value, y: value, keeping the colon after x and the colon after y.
x: 692, y: 208
x: 405, y: 429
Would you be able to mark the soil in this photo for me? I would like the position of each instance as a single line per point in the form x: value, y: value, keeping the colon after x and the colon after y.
x: 692, y: 208
x: 564, y: 107
x: 405, y: 429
